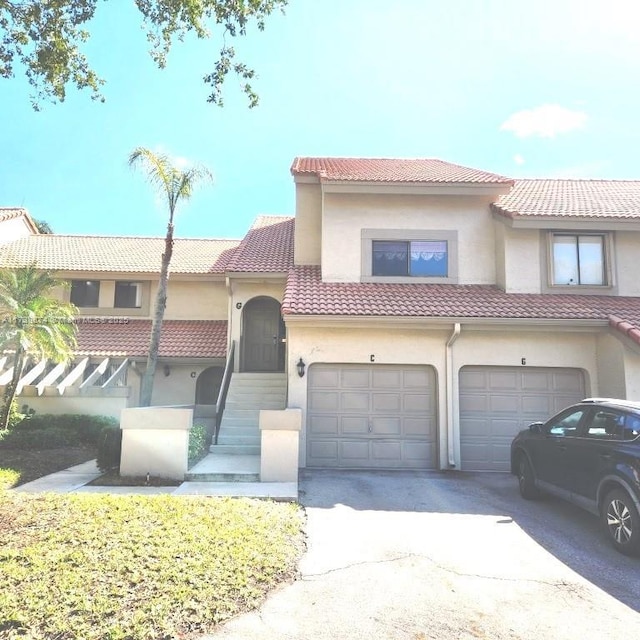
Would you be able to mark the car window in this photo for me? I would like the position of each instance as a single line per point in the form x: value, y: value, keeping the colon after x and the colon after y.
x: 606, y: 424
x: 566, y: 424
x: 631, y: 427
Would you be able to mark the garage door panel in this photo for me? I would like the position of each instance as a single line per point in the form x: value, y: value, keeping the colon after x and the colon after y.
x: 503, y: 380
x: 375, y: 416
x: 323, y: 425
x: 473, y: 402
x: 350, y: 425
x: 473, y: 379
x: 537, y: 405
x: 512, y: 398
x: 328, y: 378
x: 418, y: 427
x: 417, y: 379
x: 354, y: 401
x: 563, y: 382
x: 503, y: 403
x: 385, y: 426
x: 386, y: 379
x: 354, y: 450
x: 355, y: 379
x: 386, y: 402
x: 387, y: 450
x: 531, y: 381
x: 326, y: 450
x: 417, y: 403
x: 324, y: 401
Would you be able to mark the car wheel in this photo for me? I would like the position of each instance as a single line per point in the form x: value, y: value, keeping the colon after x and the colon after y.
x: 622, y: 522
x: 526, y: 479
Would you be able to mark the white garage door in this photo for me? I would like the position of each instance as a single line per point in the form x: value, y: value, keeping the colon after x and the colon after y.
x: 371, y: 417
x: 497, y: 402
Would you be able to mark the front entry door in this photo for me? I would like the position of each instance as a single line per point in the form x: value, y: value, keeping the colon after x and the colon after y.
x: 262, y: 336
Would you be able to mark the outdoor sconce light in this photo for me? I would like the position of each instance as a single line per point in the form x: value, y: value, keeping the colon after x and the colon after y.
x: 167, y: 371
x: 300, y: 366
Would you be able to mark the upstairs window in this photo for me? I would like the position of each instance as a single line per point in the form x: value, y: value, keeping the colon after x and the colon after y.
x: 85, y: 293
x: 579, y: 259
x: 413, y: 258
x: 128, y: 295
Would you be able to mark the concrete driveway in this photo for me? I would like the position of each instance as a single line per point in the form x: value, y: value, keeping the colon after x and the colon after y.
x: 428, y: 555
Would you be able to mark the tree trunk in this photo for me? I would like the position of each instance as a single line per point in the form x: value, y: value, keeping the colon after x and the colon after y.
x: 146, y: 386
x: 10, y: 389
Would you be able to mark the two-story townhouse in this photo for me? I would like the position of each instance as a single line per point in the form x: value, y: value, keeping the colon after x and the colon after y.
x: 419, y: 312
x: 439, y: 309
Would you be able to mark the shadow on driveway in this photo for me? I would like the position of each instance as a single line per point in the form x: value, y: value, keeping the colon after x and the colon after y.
x: 571, y: 535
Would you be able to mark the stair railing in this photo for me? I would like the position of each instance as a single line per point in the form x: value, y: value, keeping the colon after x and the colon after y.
x: 224, y: 388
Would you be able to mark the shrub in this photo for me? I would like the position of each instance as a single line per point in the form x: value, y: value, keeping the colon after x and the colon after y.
x: 8, y: 478
x: 198, y: 441
x: 52, y: 438
x: 109, y: 448
x: 81, y: 428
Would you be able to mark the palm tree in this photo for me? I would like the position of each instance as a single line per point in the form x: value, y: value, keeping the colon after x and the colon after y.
x: 32, y: 323
x: 175, y: 185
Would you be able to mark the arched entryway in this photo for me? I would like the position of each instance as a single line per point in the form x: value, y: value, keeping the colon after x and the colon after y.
x: 208, y: 385
x: 263, y: 332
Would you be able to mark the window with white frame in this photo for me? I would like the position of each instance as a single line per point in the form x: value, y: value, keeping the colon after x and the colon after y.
x: 579, y: 259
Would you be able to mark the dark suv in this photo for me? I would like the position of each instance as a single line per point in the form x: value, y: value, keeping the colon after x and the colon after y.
x: 588, y: 454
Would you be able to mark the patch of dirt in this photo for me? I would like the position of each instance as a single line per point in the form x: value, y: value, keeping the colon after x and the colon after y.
x: 115, y: 480
x: 33, y: 464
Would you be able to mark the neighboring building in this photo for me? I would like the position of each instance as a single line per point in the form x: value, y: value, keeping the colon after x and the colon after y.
x: 433, y: 309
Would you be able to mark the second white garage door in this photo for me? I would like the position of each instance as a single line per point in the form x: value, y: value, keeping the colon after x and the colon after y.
x: 371, y: 417
x: 497, y: 402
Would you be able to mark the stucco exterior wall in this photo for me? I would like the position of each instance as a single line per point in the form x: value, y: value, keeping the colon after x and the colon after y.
x: 427, y: 346
x: 308, y: 228
x: 518, y: 256
x: 13, y: 229
x: 632, y: 375
x: 626, y: 262
x: 241, y: 292
x: 345, y: 215
x: 611, y: 367
x: 77, y: 404
x: 179, y: 387
x: 195, y: 300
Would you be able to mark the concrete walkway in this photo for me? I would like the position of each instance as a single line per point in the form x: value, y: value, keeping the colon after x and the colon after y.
x: 76, y: 480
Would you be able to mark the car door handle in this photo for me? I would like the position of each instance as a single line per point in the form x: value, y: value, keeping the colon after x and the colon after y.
x: 562, y: 447
x: 605, y: 456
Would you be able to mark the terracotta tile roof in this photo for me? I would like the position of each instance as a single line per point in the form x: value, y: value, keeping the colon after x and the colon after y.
x: 612, y: 199
x: 179, y: 338
x: 306, y: 294
x: 267, y: 247
x: 117, y: 253
x: 412, y: 170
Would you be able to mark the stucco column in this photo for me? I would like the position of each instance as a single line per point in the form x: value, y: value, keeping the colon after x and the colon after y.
x: 280, y: 440
x: 155, y: 440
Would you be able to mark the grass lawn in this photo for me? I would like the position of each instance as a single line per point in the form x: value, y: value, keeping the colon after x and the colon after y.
x: 81, y: 566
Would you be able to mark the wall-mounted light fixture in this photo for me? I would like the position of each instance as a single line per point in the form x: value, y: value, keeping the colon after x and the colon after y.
x: 167, y: 370
x: 301, y: 367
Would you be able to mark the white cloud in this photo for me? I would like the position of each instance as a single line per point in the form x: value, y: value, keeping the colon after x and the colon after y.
x: 518, y: 159
x: 546, y: 121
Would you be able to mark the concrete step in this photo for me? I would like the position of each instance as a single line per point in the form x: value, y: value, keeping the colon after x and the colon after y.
x: 241, y: 430
x: 253, y: 402
x: 235, y: 449
x: 225, y: 468
x: 236, y: 439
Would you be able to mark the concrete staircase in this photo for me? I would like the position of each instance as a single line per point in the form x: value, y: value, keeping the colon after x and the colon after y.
x: 248, y: 393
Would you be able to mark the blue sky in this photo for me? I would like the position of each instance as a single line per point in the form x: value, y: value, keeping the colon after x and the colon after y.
x: 544, y: 89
